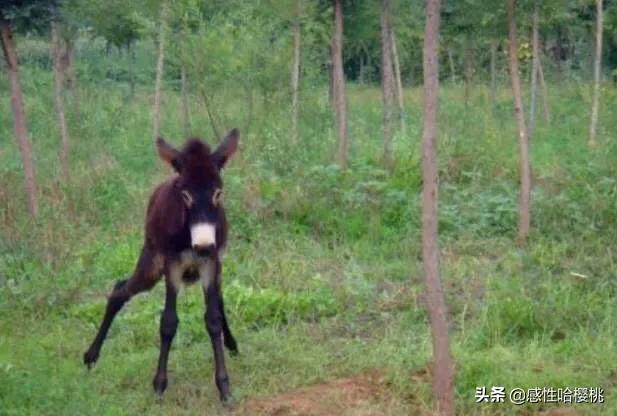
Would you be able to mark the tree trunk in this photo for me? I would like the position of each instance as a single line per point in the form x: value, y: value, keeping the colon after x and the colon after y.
x: 596, y: 74
x: 558, y: 53
x: 72, y: 81
x: 59, y: 57
x: 19, y: 118
x: 132, y: 69
x: 338, y: 85
x: 295, y: 74
x: 159, y: 71
x: 525, y: 170
x: 547, y: 113
x: 387, y: 83
x: 399, y: 83
x: 443, y: 374
x: 186, y: 114
x: 535, y: 45
x: 493, y: 73
x: 468, y: 69
x: 451, y: 62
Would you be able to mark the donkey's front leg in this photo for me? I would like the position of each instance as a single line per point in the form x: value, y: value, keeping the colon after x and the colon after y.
x: 169, y: 325
x: 214, y: 325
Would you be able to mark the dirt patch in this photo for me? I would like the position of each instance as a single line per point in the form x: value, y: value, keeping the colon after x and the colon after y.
x: 362, y: 395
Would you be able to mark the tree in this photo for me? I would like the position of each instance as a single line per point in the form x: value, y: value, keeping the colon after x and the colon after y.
x: 17, y: 102
x: 525, y: 170
x: 535, y: 68
x: 596, y: 73
x: 537, y: 74
x: 338, y: 85
x: 493, y: 73
x: 443, y: 375
x: 186, y: 114
x: 159, y: 70
x: 387, y: 82
x: 399, y: 83
x: 60, y: 58
x: 295, y: 72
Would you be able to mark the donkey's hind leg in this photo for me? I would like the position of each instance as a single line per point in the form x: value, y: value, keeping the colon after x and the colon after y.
x: 146, y: 275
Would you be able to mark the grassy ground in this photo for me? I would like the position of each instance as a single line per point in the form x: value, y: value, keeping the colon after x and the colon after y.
x: 323, y: 273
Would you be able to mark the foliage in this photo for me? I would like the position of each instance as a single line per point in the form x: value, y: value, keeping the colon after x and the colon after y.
x: 322, y: 277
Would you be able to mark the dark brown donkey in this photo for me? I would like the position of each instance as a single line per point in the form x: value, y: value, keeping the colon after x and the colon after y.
x: 186, y: 232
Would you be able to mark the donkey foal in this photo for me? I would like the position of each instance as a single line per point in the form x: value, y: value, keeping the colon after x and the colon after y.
x: 185, y: 234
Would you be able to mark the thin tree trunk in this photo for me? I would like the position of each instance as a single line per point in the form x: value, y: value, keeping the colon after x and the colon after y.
x: 159, y: 71
x: 451, y: 62
x: 468, y: 69
x: 72, y: 81
x: 535, y: 45
x: 186, y: 114
x: 361, y: 73
x: 132, y: 69
x: 387, y: 83
x: 210, y: 115
x: 59, y: 57
x: 399, y: 83
x: 596, y: 72
x: 338, y: 85
x: 443, y: 375
x: 493, y: 73
x: 547, y: 112
x: 295, y: 74
x: 525, y: 170
x: 558, y: 53
x: 19, y: 117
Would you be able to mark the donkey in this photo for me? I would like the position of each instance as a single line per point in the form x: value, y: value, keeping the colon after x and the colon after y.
x: 185, y: 235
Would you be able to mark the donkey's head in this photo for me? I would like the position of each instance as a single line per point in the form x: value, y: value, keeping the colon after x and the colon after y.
x: 200, y: 185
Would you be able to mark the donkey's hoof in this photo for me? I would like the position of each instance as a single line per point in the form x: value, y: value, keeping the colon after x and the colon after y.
x: 159, y: 384
x: 90, y: 358
x: 228, y: 401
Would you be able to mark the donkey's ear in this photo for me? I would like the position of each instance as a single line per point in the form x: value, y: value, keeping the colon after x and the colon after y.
x: 227, y: 148
x: 169, y: 154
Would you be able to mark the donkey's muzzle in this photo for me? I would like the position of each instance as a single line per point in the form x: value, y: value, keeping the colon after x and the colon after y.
x: 204, y: 250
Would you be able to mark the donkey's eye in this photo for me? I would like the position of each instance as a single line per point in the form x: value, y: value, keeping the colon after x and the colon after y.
x: 216, y: 196
x: 188, y: 199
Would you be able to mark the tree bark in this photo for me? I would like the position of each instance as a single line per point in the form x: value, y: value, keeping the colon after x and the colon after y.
x: 338, y: 85
x: 399, y: 84
x: 387, y: 83
x: 547, y: 112
x: 186, y: 114
x: 159, y: 71
x: 443, y: 377
x: 295, y: 74
x: 535, y: 45
x: 493, y: 73
x: 19, y: 118
x: 59, y: 56
x: 596, y: 72
x: 525, y: 170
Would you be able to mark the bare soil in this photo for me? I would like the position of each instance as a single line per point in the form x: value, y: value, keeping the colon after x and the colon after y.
x: 362, y: 395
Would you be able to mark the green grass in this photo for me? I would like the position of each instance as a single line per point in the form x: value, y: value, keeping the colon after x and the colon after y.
x: 323, y: 275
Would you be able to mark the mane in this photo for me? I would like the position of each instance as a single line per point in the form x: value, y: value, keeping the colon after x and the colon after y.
x: 198, y: 166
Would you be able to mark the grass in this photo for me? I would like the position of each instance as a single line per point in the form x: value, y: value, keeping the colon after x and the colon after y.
x: 323, y: 273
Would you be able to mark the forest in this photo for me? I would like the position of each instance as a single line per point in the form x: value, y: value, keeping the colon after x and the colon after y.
x: 421, y: 198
